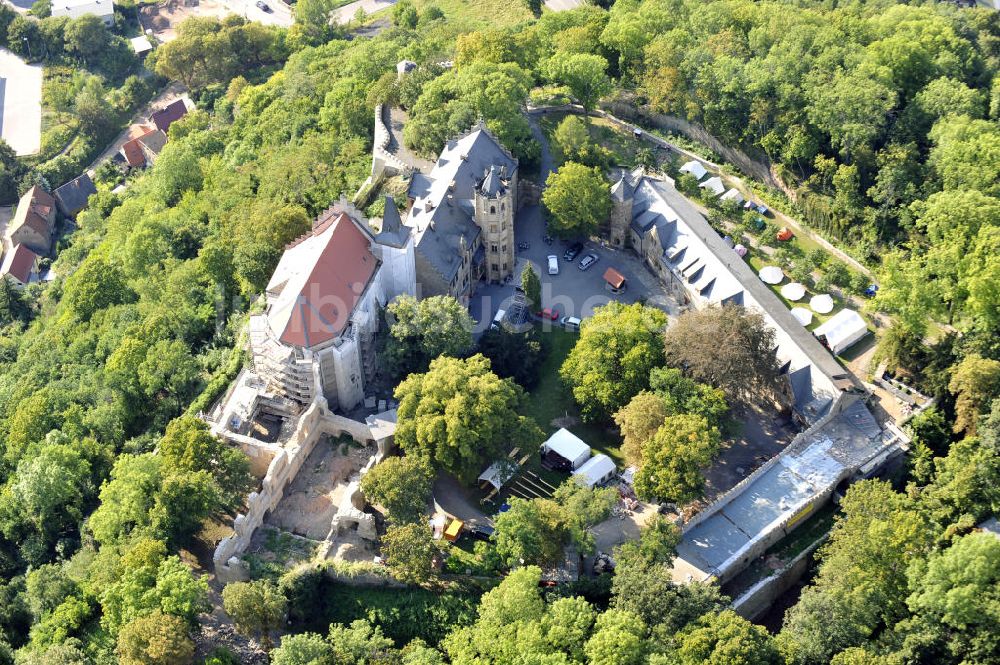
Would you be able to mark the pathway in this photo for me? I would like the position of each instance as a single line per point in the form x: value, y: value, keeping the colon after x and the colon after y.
x: 345, y: 14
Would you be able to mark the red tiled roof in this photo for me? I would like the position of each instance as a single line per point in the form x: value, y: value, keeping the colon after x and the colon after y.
x: 18, y: 263
x: 167, y: 115
x: 614, y: 278
x: 339, y: 275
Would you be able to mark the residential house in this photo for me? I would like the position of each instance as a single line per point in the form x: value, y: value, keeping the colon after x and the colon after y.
x: 34, y: 222
x: 72, y: 197
x: 316, y: 336
x: 102, y: 9
x: 143, y: 147
x: 20, y: 266
x: 462, y: 216
x: 169, y: 114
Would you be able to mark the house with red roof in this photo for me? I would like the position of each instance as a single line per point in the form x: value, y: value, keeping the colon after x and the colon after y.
x: 143, y: 147
x: 34, y: 222
x: 316, y: 337
x: 20, y: 266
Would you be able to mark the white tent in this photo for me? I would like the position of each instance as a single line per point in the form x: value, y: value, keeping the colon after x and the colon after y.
x: 741, y: 250
x: 598, y: 470
x: 821, y: 304
x: 498, y: 473
x: 793, y: 291
x: 695, y: 168
x: 569, y: 446
x: 732, y: 195
x: 802, y: 315
x: 842, y: 330
x: 771, y: 275
x: 714, y: 184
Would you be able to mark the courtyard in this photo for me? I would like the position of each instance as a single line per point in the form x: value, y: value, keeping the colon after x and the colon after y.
x: 20, y: 104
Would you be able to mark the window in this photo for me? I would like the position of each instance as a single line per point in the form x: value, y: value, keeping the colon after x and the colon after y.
x: 493, y: 247
x: 505, y: 265
x: 493, y: 228
x: 503, y: 206
x: 494, y: 267
x: 493, y: 210
x: 504, y: 247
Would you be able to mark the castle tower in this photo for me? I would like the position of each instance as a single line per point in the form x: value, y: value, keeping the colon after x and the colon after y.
x: 622, y: 193
x: 494, y: 214
x: 394, y: 245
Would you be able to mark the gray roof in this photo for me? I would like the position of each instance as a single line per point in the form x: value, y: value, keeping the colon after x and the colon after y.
x: 393, y: 232
x: 442, y: 209
x: 154, y: 141
x: 72, y: 196
x: 492, y: 185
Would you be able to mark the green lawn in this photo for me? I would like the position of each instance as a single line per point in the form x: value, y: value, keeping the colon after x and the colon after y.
x: 481, y: 13
x: 620, y: 144
x: 551, y: 399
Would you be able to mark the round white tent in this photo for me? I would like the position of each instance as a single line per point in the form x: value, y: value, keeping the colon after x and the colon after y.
x: 771, y: 275
x: 793, y: 291
x: 821, y: 304
x: 802, y: 315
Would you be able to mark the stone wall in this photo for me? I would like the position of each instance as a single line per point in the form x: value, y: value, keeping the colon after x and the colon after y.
x: 282, y: 469
x: 758, y: 598
x: 384, y: 163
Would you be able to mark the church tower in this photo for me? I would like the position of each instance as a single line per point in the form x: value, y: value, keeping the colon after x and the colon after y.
x: 494, y: 214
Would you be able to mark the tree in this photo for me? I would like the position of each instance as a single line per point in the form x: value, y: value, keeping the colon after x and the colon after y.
x: 584, y: 75
x: 513, y: 355
x: 532, y: 287
x: 257, y: 608
x: 611, y: 362
x: 409, y: 550
x: 532, y: 531
x: 401, y: 485
x: 423, y: 330
x: 155, y: 639
x: 974, y: 382
x: 86, y: 37
x: 359, y: 643
x: 577, y: 200
x: 675, y: 458
x: 460, y: 413
x: 571, y: 141
x: 92, y: 107
x: 189, y: 445
x: 730, y: 348
x: 727, y: 639
x: 638, y: 421
x: 404, y: 15
x: 96, y: 284
x: 956, y: 599
x: 303, y: 649
x: 618, y: 639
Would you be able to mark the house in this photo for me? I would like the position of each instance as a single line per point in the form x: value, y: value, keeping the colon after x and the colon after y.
x: 144, y: 146
x: 72, y: 197
x: 20, y: 266
x: 102, y: 9
x: 169, y: 114
x: 34, y: 222
x: 462, y: 216
x: 316, y: 337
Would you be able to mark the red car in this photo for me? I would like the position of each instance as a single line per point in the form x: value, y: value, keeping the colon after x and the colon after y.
x: 551, y: 314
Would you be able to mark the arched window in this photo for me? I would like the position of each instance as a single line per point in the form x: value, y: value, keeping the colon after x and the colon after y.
x: 493, y: 210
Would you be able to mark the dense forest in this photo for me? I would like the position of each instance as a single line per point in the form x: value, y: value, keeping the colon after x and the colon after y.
x: 881, y: 117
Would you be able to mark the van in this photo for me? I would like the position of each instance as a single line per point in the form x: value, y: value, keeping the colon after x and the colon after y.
x: 498, y: 318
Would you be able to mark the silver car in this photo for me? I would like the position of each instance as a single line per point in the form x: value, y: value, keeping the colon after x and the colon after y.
x: 587, y: 261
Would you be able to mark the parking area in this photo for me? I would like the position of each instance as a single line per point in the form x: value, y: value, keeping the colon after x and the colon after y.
x: 164, y: 17
x: 20, y: 104
x: 573, y: 292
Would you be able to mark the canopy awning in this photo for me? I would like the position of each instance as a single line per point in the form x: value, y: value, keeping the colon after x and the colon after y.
x: 598, y: 469
x: 793, y: 291
x: 771, y: 275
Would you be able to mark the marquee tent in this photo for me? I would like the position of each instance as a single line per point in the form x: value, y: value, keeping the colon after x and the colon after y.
x: 598, y: 470
x: 714, y: 184
x: 567, y: 446
x: 842, y: 330
x: 695, y: 168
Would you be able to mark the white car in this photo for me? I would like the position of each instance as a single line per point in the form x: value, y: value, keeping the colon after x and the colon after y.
x: 553, y: 264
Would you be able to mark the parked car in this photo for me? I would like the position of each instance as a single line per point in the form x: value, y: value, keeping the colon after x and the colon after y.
x: 263, y: 6
x: 587, y: 261
x: 550, y: 313
x: 481, y: 531
x: 553, y: 264
x: 570, y: 323
x: 573, y: 251
x: 785, y: 234
x: 498, y: 318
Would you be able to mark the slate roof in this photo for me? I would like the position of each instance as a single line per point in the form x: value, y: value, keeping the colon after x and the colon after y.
x: 394, y: 233
x: 441, y: 214
x: 72, y: 197
x: 319, y: 281
x: 492, y: 185
x: 153, y: 141
x: 166, y: 116
x: 623, y: 190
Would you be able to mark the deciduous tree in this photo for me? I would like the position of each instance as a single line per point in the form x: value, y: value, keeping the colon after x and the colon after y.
x: 577, y: 200
x: 401, y: 485
x: 675, y: 459
x: 155, y: 639
x: 409, y: 550
x: 257, y: 608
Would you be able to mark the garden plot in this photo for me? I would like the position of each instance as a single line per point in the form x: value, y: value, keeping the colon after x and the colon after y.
x: 20, y: 104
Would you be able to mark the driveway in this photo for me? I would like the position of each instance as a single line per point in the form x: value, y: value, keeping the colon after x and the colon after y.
x: 573, y: 292
x: 20, y: 104
x: 345, y: 14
